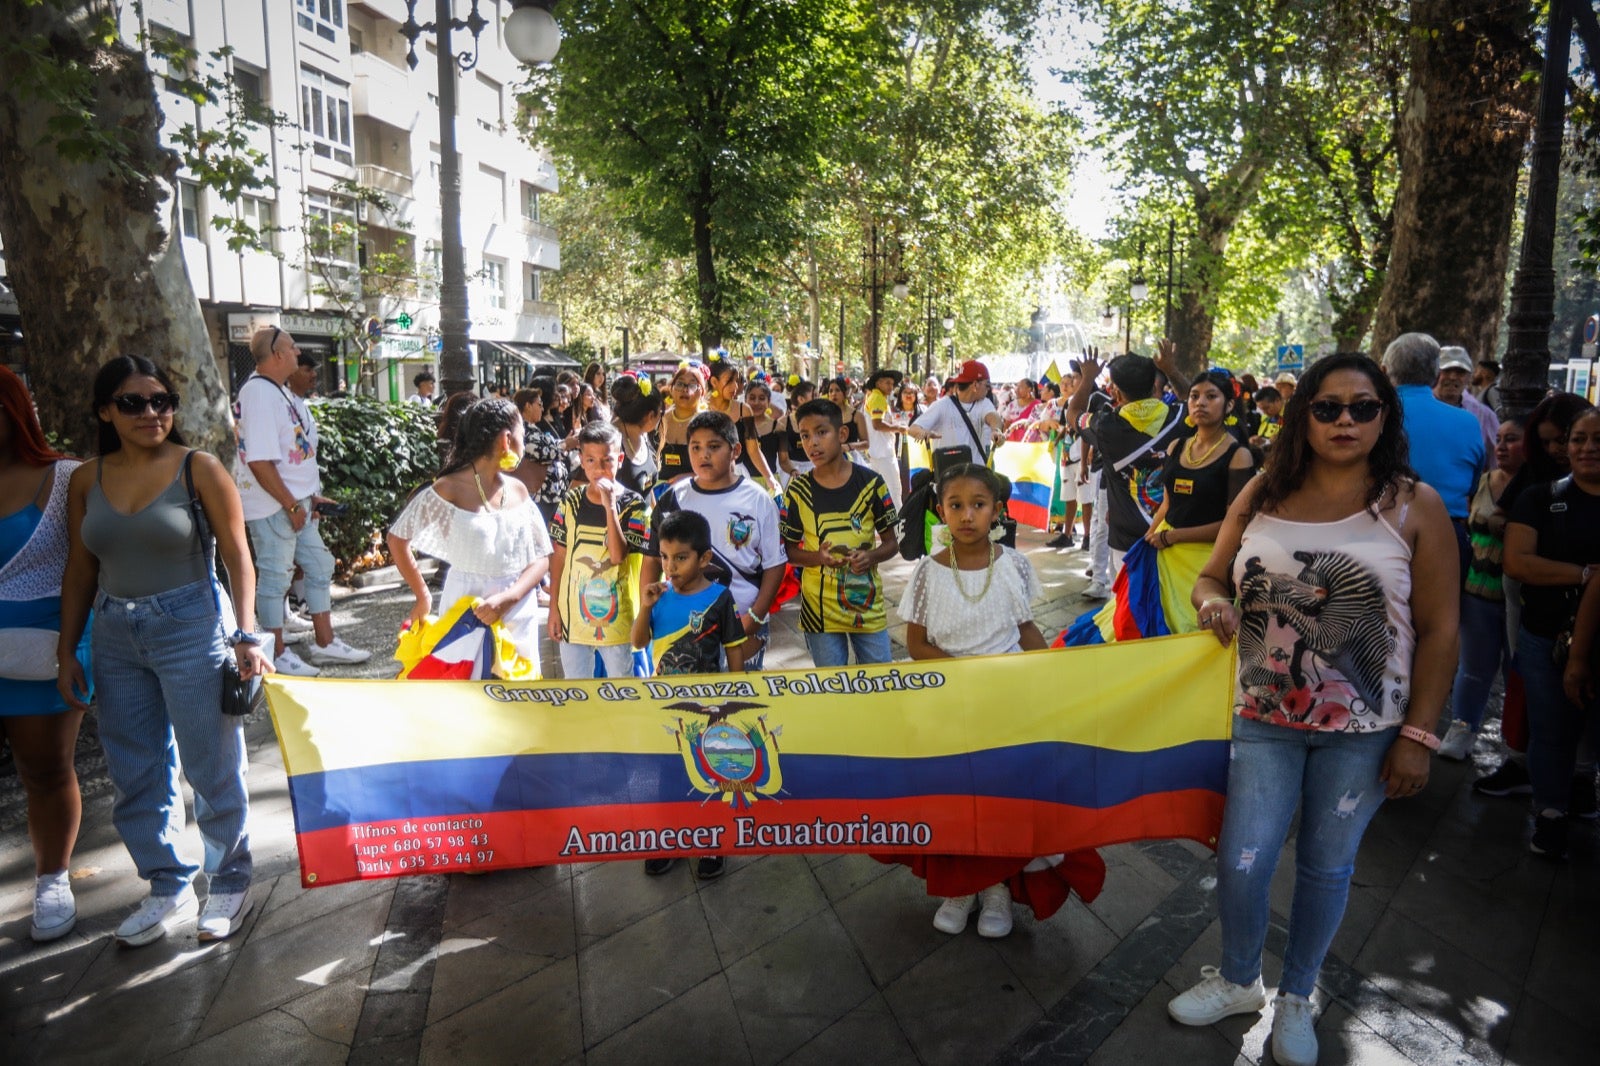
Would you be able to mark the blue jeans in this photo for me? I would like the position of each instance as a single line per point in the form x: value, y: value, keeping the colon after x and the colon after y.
x: 577, y: 660
x: 278, y: 550
x: 1483, y: 654
x: 1555, y: 724
x: 833, y: 649
x: 158, y: 674
x: 1333, y: 779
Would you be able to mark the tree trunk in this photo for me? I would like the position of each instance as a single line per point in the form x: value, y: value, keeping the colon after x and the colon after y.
x: 1467, y: 117
x: 708, y: 293
x: 1353, y: 311
x: 91, y: 243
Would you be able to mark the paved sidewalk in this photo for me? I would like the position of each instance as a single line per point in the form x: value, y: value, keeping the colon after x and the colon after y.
x: 1458, y: 947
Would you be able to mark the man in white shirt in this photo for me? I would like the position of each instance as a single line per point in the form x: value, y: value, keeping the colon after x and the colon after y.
x: 883, y: 436
x: 279, y: 485
x: 425, y: 386
x: 943, y: 421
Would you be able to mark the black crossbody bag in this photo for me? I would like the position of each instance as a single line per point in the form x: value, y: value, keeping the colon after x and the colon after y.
x: 238, y: 695
x: 1008, y: 525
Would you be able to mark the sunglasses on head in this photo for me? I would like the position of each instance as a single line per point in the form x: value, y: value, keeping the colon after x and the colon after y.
x: 131, y: 403
x: 1328, y: 411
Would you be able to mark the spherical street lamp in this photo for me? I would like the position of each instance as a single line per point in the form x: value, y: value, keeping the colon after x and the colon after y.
x: 948, y: 321
x: 901, y: 288
x: 532, y: 35
x: 1139, y: 289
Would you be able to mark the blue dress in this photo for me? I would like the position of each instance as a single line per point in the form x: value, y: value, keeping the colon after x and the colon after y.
x: 30, y: 697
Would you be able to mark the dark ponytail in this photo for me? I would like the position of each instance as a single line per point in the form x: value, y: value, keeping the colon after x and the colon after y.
x: 480, y: 424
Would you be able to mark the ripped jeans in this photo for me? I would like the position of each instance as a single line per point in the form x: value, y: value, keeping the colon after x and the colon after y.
x: 1333, y: 778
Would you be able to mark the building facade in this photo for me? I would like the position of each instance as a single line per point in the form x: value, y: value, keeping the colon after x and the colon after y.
x: 357, y: 118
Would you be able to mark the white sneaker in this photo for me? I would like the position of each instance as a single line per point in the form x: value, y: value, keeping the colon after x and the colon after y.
x: 291, y: 664
x: 1216, y: 998
x: 151, y: 920
x: 336, y: 652
x: 294, y: 622
x: 994, y: 914
x: 1294, y: 1034
x: 1458, y: 741
x: 1096, y: 591
x: 951, y: 917
x: 55, y: 912
x: 225, y: 912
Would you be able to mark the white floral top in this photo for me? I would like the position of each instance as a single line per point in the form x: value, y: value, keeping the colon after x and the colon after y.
x: 477, y: 542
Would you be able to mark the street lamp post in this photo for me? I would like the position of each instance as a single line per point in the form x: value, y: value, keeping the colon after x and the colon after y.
x: 532, y: 36
x: 1138, y: 289
x: 625, y: 334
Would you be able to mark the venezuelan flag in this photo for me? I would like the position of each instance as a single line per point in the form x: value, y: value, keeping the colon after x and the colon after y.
x: 959, y: 757
x: 1032, y: 470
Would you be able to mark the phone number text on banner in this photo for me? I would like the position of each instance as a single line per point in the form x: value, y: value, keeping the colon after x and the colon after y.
x: 1015, y: 755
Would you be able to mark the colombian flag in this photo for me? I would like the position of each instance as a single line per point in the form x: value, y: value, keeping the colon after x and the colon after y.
x: 918, y: 457
x: 967, y: 757
x: 1032, y: 470
x: 1052, y: 374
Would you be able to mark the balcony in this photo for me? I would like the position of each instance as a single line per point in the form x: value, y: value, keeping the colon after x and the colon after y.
x: 391, y: 183
x: 382, y: 91
x: 542, y: 230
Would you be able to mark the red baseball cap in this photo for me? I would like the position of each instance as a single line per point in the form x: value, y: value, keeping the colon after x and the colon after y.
x: 970, y: 371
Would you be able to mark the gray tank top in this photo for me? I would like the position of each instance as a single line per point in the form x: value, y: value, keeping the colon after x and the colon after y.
x: 152, y: 550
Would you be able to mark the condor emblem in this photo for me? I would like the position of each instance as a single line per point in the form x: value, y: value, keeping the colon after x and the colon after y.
x: 734, y: 760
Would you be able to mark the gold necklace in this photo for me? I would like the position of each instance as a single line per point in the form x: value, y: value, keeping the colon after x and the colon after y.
x: 478, y: 481
x: 988, y: 575
x: 1193, y: 462
x: 673, y: 414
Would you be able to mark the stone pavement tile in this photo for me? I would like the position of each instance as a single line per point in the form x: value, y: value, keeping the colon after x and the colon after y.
x: 614, y: 895
x: 797, y: 986
x: 150, y: 1021
x: 274, y: 969
x: 645, y: 966
x: 1148, y: 1035
x: 869, y: 1033
x: 285, y: 904
x: 748, y: 907
x: 1344, y: 1040
x: 1049, y: 957
x: 472, y: 896
x: 1563, y: 970
x: 847, y: 873
x: 700, y: 1026
x: 331, y: 1013
x: 890, y: 921
x: 272, y: 1037
x: 1488, y: 907
x: 961, y: 1004
x: 535, y: 1020
x: 1541, y: 1035
x: 1454, y: 993
x: 499, y: 949
x: 1134, y: 886
x: 32, y: 983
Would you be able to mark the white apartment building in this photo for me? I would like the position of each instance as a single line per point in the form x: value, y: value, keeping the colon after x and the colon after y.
x: 338, y: 69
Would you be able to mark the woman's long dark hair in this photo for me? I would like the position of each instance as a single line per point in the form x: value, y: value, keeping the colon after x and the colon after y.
x: 594, y: 376
x: 1560, y: 409
x: 1290, y: 457
x: 106, y: 383
x: 546, y: 387
x: 630, y: 404
x: 479, y: 426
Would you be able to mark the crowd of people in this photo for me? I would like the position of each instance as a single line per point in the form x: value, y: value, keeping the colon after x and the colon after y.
x: 1341, y: 528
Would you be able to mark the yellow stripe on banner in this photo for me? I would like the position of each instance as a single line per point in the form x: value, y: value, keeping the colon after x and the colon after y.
x: 1020, y: 461
x: 1137, y: 696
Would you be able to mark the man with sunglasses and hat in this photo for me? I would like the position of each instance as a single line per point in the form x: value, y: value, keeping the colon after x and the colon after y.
x: 883, y: 436
x: 280, y: 486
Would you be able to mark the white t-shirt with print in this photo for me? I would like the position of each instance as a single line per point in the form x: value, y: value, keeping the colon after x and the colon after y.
x: 272, y: 429
x: 744, y: 533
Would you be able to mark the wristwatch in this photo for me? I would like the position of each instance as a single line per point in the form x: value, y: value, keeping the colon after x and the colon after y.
x: 1422, y: 736
x: 239, y: 636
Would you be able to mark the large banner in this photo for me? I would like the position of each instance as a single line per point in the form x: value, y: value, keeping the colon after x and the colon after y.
x: 1014, y: 755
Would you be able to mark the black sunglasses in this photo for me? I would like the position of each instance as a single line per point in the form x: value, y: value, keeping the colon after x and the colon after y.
x: 132, y: 404
x: 272, y: 345
x: 1328, y: 411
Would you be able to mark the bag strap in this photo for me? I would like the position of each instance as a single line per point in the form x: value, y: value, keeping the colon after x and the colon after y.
x: 202, y: 531
x: 1160, y: 436
x: 983, y: 454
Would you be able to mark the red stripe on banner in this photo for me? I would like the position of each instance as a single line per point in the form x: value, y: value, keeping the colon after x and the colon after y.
x: 941, y: 825
x: 1029, y: 514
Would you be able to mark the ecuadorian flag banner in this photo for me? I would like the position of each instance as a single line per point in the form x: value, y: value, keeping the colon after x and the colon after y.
x: 1032, y: 470
x: 1014, y: 755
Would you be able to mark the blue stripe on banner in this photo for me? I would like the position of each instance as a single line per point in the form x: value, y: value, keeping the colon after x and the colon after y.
x: 1072, y: 774
x: 1031, y: 492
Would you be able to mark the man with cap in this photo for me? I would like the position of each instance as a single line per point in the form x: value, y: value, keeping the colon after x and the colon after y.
x: 1455, y: 373
x: 965, y: 416
x: 883, y: 436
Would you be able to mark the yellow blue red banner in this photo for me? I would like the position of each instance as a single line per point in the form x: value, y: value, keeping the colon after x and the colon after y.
x: 1032, y: 470
x: 1015, y: 755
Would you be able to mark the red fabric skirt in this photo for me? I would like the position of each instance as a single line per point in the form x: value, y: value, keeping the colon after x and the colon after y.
x: 1043, y: 891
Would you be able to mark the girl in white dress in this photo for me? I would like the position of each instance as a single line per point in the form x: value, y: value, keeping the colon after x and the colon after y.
x: 482, y: 522
x: 973, y: 597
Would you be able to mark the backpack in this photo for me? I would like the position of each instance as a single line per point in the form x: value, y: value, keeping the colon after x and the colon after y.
x: 918, y: 517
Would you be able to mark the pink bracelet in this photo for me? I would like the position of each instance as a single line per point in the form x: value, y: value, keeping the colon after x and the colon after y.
x: 1421, y: 736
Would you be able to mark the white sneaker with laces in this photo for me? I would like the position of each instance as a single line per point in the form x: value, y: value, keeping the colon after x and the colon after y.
x: 55, y: 912
x: 1294, y: 1034
x: 1458, y: 741
x: 337, y: 651
x: 151, y: 920
x: 225, y: 912
x: 994, y: 914
x: 1096, y: 591
x: 295, y: 623
x: 1216, y: 998
x: 291, y: 664
x: 952, y: 914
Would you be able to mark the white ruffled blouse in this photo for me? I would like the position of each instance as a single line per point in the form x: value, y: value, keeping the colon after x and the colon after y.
x: 478, y: 542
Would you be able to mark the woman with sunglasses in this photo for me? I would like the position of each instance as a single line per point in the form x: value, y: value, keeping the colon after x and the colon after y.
x: 684, y: 393
x: 37, y: 723
x: 162, y: 630
x: 1336, y: 570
